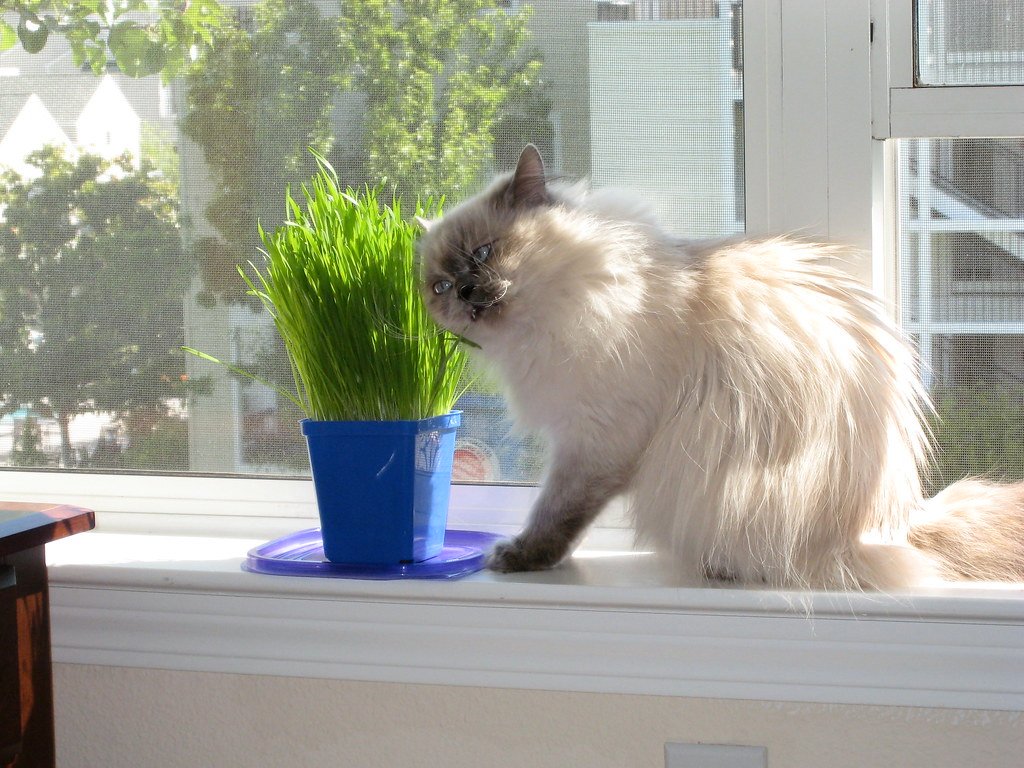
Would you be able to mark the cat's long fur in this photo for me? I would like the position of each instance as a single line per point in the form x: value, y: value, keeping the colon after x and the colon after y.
x: 756, y: 403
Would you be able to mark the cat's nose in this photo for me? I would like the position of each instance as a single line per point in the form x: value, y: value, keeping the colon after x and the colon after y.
x: 466, y: 292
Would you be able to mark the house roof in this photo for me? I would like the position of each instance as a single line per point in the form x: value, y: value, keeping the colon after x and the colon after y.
x: 63, y: 88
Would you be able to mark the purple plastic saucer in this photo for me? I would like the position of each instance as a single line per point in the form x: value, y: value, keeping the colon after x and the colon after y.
x: 302, y: 554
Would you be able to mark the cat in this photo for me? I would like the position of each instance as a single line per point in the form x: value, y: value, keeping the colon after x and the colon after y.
x: 754, y: 403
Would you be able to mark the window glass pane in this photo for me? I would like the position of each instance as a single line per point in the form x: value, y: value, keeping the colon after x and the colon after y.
x: 970, y: 42
x: 133, y: 182
x: 961, y: 266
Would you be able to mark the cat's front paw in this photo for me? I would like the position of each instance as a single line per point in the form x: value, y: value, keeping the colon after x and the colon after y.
x: 515, y: 555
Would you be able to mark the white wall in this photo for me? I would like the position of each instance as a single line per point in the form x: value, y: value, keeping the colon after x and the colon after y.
x: 135, y: 718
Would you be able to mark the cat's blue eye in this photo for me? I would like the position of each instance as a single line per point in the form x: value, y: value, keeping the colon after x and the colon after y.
x: 442, y: 286
x: 483, y: 253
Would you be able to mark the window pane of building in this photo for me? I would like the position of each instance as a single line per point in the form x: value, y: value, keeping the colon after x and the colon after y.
x: 961, y: 266
x: 970, y: 42
x: 126, y: 202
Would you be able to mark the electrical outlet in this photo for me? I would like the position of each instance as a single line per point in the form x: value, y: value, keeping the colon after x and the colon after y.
x: 714, y: 756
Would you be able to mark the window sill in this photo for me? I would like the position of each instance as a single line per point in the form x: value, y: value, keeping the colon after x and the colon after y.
x: 608, y: 621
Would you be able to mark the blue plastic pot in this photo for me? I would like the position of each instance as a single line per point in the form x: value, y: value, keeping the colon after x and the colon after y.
x: 382, y: 487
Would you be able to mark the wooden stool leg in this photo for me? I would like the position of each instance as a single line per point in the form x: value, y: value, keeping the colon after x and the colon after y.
x: 34, y: 701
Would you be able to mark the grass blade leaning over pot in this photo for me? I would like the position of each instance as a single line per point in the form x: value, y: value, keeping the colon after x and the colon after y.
x: 342, y: 288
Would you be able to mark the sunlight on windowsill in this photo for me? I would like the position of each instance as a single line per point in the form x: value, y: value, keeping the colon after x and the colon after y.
x: 604, y: 560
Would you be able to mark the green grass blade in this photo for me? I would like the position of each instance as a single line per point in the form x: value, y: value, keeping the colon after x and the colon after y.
x: 247, y: 374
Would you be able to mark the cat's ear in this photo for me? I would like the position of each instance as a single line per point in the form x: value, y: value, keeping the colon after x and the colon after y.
x: 528, y: 186
x: 425, y: 224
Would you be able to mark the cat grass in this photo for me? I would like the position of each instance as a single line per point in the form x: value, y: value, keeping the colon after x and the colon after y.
x: 341, y: 284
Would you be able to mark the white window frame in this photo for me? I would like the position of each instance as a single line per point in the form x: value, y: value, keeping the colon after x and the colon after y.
x: 901, y: 109
x: 818, y: 105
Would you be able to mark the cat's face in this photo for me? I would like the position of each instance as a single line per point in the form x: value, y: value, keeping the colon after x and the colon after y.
x: 471, y: 257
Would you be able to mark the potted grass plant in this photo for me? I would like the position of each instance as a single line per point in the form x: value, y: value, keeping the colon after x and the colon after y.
x: 376, y: 378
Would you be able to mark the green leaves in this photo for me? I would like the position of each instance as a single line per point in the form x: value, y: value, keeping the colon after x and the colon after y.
x: 341, y: 284
x: 8, y: 37
x: 144, y: 37
x: 261, y: 98
x: 976, y: 432
x: 32, y: 34
x: 440, y: 76
x: 138, y: 51
x: 91, y: 278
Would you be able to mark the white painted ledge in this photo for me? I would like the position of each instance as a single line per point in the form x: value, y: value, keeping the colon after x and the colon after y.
x: 607, y: 622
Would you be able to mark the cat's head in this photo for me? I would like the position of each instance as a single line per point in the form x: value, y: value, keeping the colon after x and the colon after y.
x: 526, y: 260
x: 473, y: 257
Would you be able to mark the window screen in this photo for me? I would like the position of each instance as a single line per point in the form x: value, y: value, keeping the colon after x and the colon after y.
x: 961, y: 268
x: 126, y: 202
x: 970, y: 42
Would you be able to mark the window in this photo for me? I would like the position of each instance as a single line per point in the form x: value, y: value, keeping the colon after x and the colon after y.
x: 960, y: 223
x: 161, y: 182
x: 969, y: 43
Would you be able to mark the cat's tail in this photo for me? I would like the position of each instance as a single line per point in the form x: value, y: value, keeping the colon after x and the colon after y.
x: 974, y: 530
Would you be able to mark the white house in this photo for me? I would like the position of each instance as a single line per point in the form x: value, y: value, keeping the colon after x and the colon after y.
x: 108, y: 124
x: 33, y: 127
x: 40, y: 107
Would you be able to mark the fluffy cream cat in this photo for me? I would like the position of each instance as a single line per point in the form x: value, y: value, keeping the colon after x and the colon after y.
x: 757, y: 406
